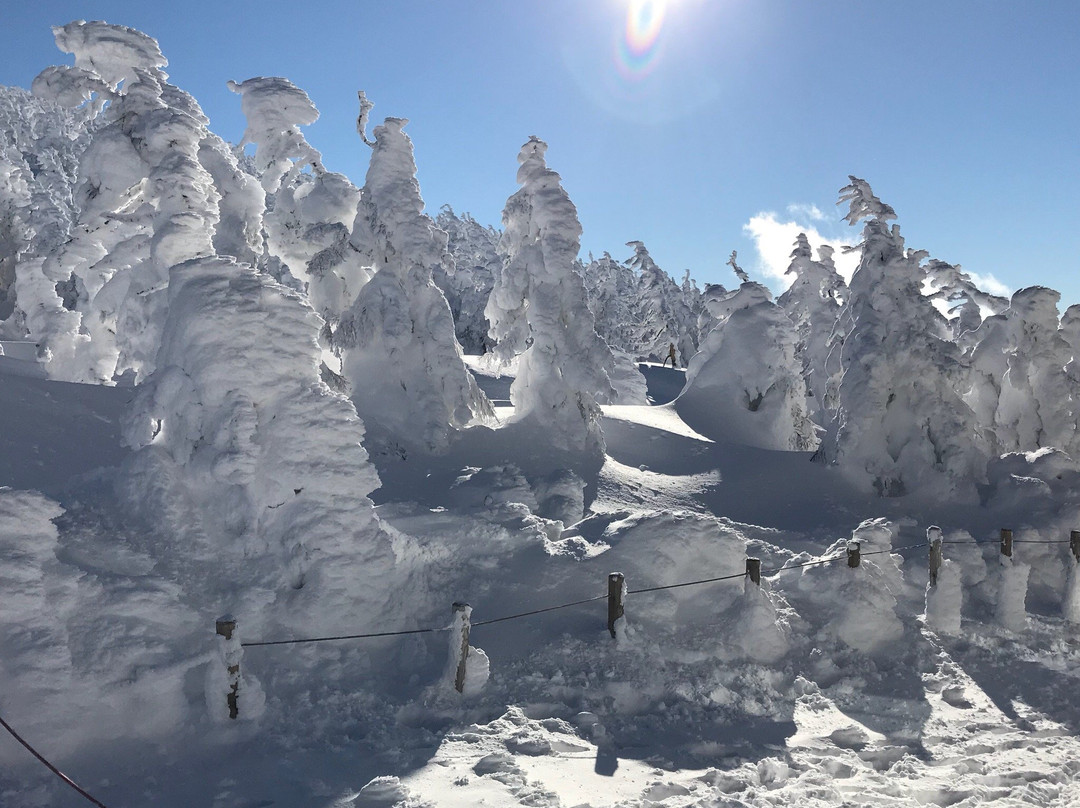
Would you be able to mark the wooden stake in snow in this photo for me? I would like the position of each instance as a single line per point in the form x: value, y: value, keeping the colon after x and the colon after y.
x: 616, y: 583
x: 226, y: 627
x: 459, y: 642
x: 753, y: 569
x: 1074, y: 544
x: 853, y: 556
x: 934, y: 534
x: 1006, y: 542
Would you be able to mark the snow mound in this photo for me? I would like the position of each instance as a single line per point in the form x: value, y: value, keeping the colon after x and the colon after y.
x: 745, y: 385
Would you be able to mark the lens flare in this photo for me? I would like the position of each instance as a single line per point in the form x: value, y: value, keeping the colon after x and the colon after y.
x: 639, y: 45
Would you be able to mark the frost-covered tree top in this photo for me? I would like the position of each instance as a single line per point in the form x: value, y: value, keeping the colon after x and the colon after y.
x: 149, y: 194
x: 391, y: 224
x: 113, y: 53
x: 537, y: 308
x: 966, y: 301
x: 275, y: 109
x: 862, y: 204
x: 740, y: 273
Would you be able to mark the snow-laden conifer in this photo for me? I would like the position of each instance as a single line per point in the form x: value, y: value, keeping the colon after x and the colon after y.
x: 537, y: 309
x: 468, y: 282
x: 611, y: 287
x: 41, y: 142
x: 966, y: 302
x: 900, y: 422
x: 660, y: 314
x: 154, y: 188
x: 252, y: 464
x: 1020, y: 389
x: 813, y: 303
x: 397, y: 341
x: 312, y: 210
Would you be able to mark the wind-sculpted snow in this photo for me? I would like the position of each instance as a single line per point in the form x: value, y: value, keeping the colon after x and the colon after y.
x: 397, y: 341
x: 275, y: 109
x: 248, y: 456
x: 537, y: 309
x: 860, y: 602
x: 745, y: 384
x: 113, y: 52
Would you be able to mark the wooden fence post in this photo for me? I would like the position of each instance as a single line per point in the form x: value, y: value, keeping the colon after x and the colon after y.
x: 1006, y: 542
x: 616, y: 582
x: 226, y: 627
x: 753, y: 569
x: 459, y: 642
x: 934, y: 534
x: 853, y: 550
x: 1074, y: 544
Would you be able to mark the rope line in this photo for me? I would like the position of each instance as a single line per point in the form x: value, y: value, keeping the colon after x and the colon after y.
x: 642, y: 591
x: 347, y: 637
x: 687, y: 583
x: 49, y: 766
x: 538, y: 611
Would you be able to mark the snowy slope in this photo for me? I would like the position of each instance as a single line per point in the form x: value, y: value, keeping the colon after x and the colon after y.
x: 676, y: 712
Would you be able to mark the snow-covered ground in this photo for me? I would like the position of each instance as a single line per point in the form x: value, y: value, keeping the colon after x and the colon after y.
x: 698, y: 702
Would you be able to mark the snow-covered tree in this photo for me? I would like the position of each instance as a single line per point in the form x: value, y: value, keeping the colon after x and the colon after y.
x: 537, y: 310
x: 900, y: 422
x: 1020, y: 389
x: 745, y: 385
x: 611, y: 288
x: 259, y: 467
x: 467, y: 286
x: 397, y: 341
x: 40, y: 146
x: 154, y: 188
x: 660, y: 314
x: 309, y: 223
x: 813, y: 303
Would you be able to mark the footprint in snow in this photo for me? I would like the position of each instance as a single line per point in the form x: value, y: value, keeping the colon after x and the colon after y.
x: 525, y: 743
x: 850, y: 738
x: 955, y: 696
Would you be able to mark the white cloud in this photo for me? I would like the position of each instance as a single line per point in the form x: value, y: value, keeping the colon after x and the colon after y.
x: 807, y: 212
x: 775, y: 239
x: 988, y: 283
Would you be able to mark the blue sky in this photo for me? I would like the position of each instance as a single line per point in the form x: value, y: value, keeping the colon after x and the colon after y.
x: 963, y: 115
